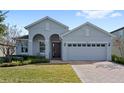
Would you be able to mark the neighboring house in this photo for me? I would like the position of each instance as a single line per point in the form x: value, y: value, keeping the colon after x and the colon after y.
x: 1, y: 53
x: 52, y: 39
x: 2, y: 46
x: 118, y: 47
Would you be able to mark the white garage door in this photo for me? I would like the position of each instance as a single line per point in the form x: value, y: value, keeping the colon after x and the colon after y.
x: 86, y: 51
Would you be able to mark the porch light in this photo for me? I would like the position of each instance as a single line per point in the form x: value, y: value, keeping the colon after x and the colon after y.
x: 109, y: 44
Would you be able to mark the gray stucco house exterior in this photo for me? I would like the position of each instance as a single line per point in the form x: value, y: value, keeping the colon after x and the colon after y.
x: 52, y: 39
x: 119, y: 35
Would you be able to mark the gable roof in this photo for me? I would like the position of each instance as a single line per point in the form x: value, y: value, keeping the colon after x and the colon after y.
x: 47, y: 17
x: 87, y: 23
x: 117, y: 30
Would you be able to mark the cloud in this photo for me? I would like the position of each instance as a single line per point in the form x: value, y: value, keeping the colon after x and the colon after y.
x: 116, y: 14
x: 98, y: 14
x: 78, y: 14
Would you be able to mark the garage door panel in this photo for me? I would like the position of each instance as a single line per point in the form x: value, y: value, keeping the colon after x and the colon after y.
x: 86, y: 53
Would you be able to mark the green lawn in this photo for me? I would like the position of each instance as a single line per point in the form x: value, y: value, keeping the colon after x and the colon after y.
x: 39, y: 73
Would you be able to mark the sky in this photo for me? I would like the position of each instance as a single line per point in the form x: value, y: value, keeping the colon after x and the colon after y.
x: 108, y: 20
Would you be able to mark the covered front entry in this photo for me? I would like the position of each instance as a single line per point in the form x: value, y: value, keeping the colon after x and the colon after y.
x: 55, y: 46
x: 56, y: 50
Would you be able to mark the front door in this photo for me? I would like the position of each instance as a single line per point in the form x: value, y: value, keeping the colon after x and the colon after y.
x: 56, y: 50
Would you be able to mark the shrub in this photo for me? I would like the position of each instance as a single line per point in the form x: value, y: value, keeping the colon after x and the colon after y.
x: 7, y: 65
x: 18, y: 57
x: 44, y: 60
x: 17, y: 63
x: 121, y: 60
x: 39, y: 60
x: 117, y: 59
x: 2, y: 60
x: 18, y: 60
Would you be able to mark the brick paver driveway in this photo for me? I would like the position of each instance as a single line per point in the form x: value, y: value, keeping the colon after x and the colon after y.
x: 100, y: 72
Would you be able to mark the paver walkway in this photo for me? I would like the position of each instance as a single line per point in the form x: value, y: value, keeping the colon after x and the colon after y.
x: 99, y: 72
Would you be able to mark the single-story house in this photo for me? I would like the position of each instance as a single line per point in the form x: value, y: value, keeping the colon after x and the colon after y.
x: 52, y: 39
x: 118, y: 42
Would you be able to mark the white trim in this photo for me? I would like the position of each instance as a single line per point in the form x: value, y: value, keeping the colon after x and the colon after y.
x: 85, y: 42
x: 87, y: 23
x: 47, y: 17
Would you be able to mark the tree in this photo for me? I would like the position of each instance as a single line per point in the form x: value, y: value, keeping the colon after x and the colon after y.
x: 8, y: 41
x: 2, y: 18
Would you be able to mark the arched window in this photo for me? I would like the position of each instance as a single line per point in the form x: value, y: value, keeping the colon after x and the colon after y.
x: 38, y: 44
x: 55, y: 38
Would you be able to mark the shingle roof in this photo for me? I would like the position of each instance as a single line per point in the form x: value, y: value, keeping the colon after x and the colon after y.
x: 117, y: 30
x: 23, y: 37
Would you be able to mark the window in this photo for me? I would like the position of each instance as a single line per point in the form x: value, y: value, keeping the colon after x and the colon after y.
x: 93, y: 45
x: 88, y: 45
x: 69, y: 45
x: 98, y: 45
x: 102, y: 45
x: 24, y: 47
x: 42, y: 47
x: 83, y: 45
x: 74, y: 45
x: 79, y: 45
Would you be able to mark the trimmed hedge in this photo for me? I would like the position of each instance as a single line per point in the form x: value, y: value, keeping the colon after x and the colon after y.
x: 117, y: 59
x: 39, y: 60
x: 10, y: 64
x: 2, y: 60
x: 18, y: 60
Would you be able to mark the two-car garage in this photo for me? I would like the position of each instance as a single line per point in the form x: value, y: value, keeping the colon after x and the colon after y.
x: 86, y: 51
x: 86, y: 42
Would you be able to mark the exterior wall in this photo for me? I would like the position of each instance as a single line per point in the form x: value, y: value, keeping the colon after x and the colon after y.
x: 115, y: 50
x: 1, y: 54
x: 18, y: 48
x: 40, y: 28
x: 47, y: 28
x: 80, y: 35
x: 118, y: 34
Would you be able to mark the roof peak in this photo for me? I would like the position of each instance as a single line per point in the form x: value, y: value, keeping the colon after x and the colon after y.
x: 46, y: 17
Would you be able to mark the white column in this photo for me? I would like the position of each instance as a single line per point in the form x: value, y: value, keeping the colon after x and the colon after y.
x: 47, y: 48
x: 30, y: 47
